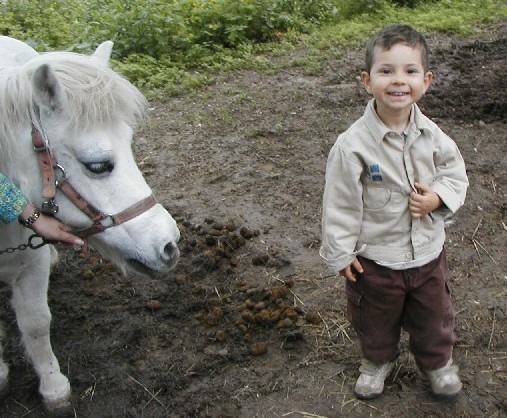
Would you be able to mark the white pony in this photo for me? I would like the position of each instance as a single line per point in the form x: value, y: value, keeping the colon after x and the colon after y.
x: 84, y: 113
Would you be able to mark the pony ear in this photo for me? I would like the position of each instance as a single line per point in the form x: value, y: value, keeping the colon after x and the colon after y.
x: 46, y: 88
x: 103, y: 53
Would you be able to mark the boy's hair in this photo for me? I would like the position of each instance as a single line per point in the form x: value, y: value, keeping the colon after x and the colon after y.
x: 392, y: 35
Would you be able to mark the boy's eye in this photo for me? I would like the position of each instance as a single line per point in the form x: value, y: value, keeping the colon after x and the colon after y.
x: 385, y: 70
x: 412, y: 71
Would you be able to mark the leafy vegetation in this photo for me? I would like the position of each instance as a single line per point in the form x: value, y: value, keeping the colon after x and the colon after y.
x: 171, y: 46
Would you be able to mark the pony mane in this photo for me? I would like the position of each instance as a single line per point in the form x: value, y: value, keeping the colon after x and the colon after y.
x: 92, y: 93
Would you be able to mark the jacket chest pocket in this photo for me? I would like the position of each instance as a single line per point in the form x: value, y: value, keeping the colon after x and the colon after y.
x: 383, y: 198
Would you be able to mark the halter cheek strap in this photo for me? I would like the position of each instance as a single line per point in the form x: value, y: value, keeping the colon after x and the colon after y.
x: 46, y: 164
x: 87, y: 208
x: 50, y: 183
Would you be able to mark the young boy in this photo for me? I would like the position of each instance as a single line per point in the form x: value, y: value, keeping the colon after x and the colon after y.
x: 391, y: 180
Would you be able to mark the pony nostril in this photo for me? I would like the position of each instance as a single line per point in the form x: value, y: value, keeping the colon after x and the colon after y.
x: 170, y: 250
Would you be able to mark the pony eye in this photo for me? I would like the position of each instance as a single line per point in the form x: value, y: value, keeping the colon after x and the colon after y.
x: 99, y: 167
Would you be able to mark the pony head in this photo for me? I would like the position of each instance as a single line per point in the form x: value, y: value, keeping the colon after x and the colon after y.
x: 88, y: 114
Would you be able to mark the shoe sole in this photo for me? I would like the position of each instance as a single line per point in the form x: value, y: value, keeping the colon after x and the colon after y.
x: 447, y: 396
x: 367, y: 397
x: 442, y: 396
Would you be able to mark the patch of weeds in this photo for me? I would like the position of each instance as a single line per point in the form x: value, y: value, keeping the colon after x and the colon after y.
x: 311, y: 64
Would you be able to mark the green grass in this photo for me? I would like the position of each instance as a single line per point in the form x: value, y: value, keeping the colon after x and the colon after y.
x: 458, y: 17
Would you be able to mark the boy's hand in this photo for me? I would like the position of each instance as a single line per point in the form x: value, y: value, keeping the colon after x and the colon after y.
x: 424, y: 201
x: 349, y: 271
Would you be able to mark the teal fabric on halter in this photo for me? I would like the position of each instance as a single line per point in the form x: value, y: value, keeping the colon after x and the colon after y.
x: 12, y: 200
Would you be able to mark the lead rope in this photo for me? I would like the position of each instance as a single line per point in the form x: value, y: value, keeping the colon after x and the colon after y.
x: 30, y: 244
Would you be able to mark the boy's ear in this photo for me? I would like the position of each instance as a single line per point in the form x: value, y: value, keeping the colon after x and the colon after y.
x: 427, y: 80
x: 365, y: 79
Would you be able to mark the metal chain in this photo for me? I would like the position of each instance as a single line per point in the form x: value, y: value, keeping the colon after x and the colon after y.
x: 23, y: 247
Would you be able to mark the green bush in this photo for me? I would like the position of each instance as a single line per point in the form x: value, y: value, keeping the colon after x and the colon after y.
x: 45, y: 24
x: 359, y: 7
x: 171, y: 27
x: 159, y: 27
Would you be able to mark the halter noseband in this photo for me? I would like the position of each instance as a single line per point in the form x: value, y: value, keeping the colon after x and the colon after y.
x: 50, y: 182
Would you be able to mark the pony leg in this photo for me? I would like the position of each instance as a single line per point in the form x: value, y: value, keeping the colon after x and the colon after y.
x: 29, y: 300
x: 4, y: 368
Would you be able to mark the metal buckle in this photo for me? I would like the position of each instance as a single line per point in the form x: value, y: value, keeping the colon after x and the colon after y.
x: 59, y: 178
x: 49, y: 207
x: 108, y: 221
x: 41, y: 148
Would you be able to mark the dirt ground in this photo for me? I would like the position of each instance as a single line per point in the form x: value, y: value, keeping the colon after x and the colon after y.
x: 251, y: 323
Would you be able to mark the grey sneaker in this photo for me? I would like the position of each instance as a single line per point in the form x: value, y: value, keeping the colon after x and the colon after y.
x: 445, y: 381
x: 370, y: 383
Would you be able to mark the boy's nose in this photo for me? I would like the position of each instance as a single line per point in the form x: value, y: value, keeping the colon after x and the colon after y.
x: 398, y: 79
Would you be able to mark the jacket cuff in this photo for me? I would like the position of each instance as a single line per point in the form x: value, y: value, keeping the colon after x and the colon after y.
x: 450, y: 199
x: 339, y: 263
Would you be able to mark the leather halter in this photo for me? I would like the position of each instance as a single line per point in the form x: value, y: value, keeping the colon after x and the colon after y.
x: 50, y: 182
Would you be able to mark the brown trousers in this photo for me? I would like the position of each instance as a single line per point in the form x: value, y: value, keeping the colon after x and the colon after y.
x: 382, y: 301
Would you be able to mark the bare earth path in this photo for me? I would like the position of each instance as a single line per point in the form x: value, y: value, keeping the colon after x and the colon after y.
x: 250, y: 323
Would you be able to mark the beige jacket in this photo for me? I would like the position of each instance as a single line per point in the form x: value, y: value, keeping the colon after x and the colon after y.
x: 370, y: 173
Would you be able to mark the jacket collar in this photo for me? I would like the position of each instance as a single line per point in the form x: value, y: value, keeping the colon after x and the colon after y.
x: 379, y: 130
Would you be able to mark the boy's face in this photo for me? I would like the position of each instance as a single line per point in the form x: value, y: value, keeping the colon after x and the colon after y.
x: 397, y: 78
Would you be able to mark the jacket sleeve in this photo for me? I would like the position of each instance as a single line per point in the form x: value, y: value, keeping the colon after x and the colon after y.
x: 451, y: 181
x: 342, y: 210
x: 12, y: 200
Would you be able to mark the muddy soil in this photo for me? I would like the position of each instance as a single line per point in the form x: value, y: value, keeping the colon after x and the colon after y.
x: 251, y: 323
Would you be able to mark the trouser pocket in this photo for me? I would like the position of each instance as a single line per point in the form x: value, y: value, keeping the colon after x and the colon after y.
x: 448, y: 314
